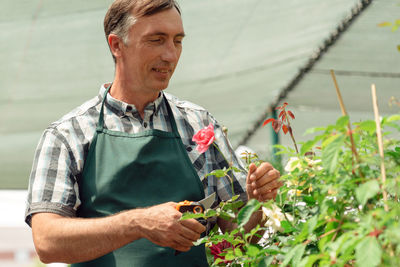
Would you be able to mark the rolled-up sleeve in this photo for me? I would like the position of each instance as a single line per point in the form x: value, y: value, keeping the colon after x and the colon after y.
x: 53, y: 185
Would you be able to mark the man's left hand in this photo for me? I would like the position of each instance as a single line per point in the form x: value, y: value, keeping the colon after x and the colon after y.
x: 262, y: 182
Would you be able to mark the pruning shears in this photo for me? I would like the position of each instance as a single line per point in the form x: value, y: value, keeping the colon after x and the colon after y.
x: 196, y: 207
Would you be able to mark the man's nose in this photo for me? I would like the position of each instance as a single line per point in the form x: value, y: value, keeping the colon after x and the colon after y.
x: 171, y: 52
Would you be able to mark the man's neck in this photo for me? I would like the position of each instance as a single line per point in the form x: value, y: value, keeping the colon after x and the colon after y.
x: 122, y: 91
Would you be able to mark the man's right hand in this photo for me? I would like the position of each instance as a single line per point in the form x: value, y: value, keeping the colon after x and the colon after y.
x: 63, y: 239
x: 161, y: 225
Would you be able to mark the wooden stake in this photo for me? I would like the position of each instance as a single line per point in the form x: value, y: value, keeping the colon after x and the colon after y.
x: 339, y: 95
x: 380, y: 143
x: 344, y: 113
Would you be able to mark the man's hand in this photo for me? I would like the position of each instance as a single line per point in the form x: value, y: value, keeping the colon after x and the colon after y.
x: 163, y: 227
x: 262, y: 183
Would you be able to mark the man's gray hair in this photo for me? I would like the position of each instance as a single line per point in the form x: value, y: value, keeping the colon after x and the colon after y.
x: 122, y: 14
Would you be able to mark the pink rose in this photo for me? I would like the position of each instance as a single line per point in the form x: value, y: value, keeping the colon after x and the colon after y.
x: 204, y: 138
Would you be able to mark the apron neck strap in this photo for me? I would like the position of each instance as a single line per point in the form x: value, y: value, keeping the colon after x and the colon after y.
x: 171, y: 117
x: 100, y: 125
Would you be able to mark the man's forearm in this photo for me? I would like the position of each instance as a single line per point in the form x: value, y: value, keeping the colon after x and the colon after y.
x: 70, y: 240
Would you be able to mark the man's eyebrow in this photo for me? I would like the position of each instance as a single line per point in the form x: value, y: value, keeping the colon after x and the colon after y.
x: 181, y: 34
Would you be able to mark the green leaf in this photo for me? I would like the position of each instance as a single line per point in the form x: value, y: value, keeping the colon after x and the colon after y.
x: 229, y: 256
x: 238, y: 252
x: 201, y: 241
x: 307, y: 146
x: 287, y: 227
x: 366, y: 191
x: 234, y: 198
x: 218, y: 173
x: 252, y: 250
x: 294, y: 255
x: 314, y: 130
x: 312, y: 223
x: 310, y: 260
x: 342, y: 121
x: 397, y: 22
x: 368, y: 252
x: 266, y: 262
x: 235, y: 169
x: 309, y: 200
x: 398, y: 48
x: 217, y: 261
x: 210, y: 213
x: 393, y: 118
x: 368, y: 126
x: 189, y: 215
x: 394, y: 28
x: 330, y: 154
x: 329, y: 140
x: 327, y: 238
x: 246, y: 212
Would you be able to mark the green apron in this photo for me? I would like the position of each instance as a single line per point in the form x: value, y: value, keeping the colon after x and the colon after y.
x: 126, y: 171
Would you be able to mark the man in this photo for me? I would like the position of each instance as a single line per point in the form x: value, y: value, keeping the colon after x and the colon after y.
x: 107, y: 176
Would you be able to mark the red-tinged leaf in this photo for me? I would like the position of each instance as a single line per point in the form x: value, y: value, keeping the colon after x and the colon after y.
x: 285, y: 129
x: 290, y: 114
x: 268, y: 121
x: 318, y: 147
x: 283, y: 117
x: 281, y: 114
x: 285, y: 104
x: 276, y: 125
x: 278, y: 108
x: 375, y: 233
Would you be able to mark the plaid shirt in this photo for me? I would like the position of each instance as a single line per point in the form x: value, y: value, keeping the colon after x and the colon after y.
x: 64, y: 145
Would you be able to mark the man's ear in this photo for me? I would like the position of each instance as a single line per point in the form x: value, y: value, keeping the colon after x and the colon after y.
x: 115, y: 43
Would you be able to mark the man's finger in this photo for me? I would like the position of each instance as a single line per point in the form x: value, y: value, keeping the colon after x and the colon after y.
x: 266, y: 178
x: 270, y: 195
x: 193, y: 226
x: 267, y: 188
x: 252, y: 170
x: 264, y: 168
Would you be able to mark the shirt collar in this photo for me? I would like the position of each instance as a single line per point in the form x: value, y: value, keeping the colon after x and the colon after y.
x: 121, y: 108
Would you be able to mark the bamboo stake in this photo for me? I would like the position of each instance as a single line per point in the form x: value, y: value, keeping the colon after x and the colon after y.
x: 380, y: 143
x: 344, y: 113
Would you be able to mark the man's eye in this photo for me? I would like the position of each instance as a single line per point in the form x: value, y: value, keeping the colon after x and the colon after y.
x: 155, y: 40
x: 178, y: 41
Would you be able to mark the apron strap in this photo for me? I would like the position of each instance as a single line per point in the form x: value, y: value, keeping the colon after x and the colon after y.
x: 172, y: 118
x: 100, y: 125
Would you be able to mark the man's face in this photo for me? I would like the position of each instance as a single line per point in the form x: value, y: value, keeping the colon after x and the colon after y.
x: 153, y: 51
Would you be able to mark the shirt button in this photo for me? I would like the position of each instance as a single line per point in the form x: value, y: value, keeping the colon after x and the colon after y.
x: 145, y: 124
x: 129, y: 108
x: 188, y: 149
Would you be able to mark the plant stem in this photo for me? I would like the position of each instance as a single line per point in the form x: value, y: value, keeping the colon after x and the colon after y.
x: 226, y: 172
x: 380, y: 144
x: 290, y: 131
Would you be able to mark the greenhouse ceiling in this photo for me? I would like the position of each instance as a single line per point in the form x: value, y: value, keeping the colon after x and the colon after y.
x: 239, y: 59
